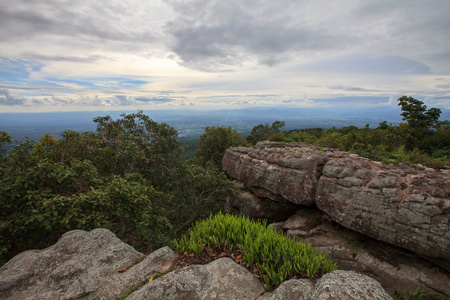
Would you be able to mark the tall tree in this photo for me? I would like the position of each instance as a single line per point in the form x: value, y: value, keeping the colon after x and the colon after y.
x: 417, y: 116
x: 262, y: 131
x: 214, y: 142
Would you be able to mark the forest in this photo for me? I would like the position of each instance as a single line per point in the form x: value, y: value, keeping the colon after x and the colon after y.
x: 131, y: 175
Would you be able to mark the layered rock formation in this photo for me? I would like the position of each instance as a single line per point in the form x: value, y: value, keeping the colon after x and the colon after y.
x: 393, y: 267
x: 96, y: 265
x: 277, y: 173
x: 396, y: 204
x: 400, y: 205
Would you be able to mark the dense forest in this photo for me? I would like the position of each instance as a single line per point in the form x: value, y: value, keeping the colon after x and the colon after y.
x: 133, y: 176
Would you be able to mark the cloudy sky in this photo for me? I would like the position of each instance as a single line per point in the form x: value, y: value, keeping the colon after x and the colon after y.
x: 198, y: 54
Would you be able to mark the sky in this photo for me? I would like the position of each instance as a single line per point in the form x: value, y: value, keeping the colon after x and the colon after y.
x: 194, y: 54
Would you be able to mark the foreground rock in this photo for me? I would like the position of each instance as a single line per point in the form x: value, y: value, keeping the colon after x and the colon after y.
x: 225, y: 279
x: 220, y: 279
x: 97, y: 265
x: 335, y: 285
x: 81, y: 265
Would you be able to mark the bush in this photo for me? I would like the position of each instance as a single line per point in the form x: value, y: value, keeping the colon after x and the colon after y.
x: 276, y: 256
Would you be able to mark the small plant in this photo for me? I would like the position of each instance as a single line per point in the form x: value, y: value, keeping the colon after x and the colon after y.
x: 417, y: 294
x: 276, y: 256
x: 128, y: 293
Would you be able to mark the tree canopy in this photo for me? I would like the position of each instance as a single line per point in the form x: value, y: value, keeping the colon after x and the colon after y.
x: 126, y: 176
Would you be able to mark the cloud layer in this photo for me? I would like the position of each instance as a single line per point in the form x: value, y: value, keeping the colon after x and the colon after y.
x: 183, y: 53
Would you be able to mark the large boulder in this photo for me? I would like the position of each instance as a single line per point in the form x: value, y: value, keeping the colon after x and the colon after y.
x: 220, y: 279
x: 87, y: 265
x: 399, y: 205
x: 277, y: 171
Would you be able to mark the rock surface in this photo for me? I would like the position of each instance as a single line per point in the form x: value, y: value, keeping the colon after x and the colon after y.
x: 392, y: 268
x: 256, y: 207
x: 81, y: 265
x: 220, y: 279
x: 400, y: 205
x: 97, y: 265
x: 394, y: 204
x: 334, y: 285
x: 348, y: 285
x: 279, y: 174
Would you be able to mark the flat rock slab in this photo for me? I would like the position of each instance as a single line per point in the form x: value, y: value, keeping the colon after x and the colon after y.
x: 87, y: 265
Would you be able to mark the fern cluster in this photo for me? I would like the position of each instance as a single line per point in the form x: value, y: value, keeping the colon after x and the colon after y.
x: 276, y: 256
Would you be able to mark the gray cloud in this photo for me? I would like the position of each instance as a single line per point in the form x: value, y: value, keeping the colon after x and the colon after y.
x: 211, y: 34
x: 361, y: 63
x: 351, y: 89
x: 6, y: 98
x: 81, y: 59
x: 86, y: 24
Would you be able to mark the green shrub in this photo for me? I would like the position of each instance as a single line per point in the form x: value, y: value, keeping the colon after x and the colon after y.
x: 276, y: 256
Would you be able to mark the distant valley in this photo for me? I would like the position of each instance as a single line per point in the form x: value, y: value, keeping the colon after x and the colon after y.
x: 190, y: 124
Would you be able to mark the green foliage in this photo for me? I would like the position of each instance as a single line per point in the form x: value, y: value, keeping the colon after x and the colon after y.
x: 214, y: 142
x: 196, y: 193
x: 417, y: 294
x: 128, y: 293
x: 429, y: 144
x: 126, y: 177
x: 139, y: 144
x: 263, y: 132
x: 50, y: 198
x: 276, y: 256
x: 4, y: 139
x: 417, y: 116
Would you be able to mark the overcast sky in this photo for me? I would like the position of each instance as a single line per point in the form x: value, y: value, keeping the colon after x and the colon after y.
x: 155, y: 54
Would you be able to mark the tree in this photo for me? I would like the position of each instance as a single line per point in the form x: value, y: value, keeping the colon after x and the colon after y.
x: 262, y: 132
x: 140, y: 144
x: 127, y: 177
x: 417, y: 116
x: 422, y: 123
x: 214, y: 142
